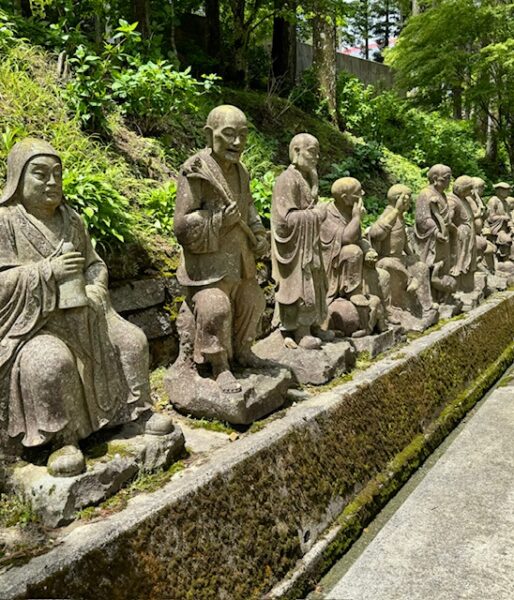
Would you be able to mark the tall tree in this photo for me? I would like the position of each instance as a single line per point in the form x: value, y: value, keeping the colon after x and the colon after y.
x: 324, y: 60
x: 141, y: 14
x: 283, y: 48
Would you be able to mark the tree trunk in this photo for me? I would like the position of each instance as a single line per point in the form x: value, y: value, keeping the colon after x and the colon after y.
x: 283, y: 51
x: 238, y: 64
x: 23, y: 7
x: 141, y: 13
x: 457, y: 101
x: 415, y: 9
x: 212, y: 13
x: 324, y: 61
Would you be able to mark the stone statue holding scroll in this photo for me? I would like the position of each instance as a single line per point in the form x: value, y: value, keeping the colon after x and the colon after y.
x: 354, y: 301
x: 69, y: 365
x: 411, y: 302
x: 221, y: 233
x: 296, y: 249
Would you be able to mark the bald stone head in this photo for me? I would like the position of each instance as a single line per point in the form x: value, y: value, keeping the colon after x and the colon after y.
x: 463, y: 186
x: 400, y: 197
x: 226, y: 131
x: 304, y: 152
x: 478, y: 185
x: 439, y: 176
x: 346, y: 191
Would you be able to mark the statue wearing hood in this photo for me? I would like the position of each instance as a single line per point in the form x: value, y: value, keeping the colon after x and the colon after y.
x: 69, y: 364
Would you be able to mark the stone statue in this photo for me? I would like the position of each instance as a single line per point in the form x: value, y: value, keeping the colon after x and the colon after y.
x: 69, y: 365
x: 462, y: 232
x: 410, y: 303
x: 221, y: 234
x: 432, y: 235
x: 485, y: 249
x: 499, y: 225
x: 297, y: 266
x: 353, y: 307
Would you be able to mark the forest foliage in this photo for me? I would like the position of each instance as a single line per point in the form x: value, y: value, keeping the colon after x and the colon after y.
x: 122, y: 90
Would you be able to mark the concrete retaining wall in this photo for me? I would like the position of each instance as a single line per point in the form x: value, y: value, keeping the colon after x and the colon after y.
x: 235, y: 526
x: 368, y: 71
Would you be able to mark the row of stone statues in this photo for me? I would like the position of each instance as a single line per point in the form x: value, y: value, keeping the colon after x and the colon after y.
x: 70, y: 366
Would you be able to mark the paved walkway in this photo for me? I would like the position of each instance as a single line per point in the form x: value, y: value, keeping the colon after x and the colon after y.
x: 453, y: 537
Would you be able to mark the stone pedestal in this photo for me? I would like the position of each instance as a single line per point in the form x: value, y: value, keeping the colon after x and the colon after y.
x: 409, y: 322
x: 506, y: 269
x: 309, y: 366
x: 376, y: 344
x: 57, y: 499
x: 264, y: 391
x: 471, y: 299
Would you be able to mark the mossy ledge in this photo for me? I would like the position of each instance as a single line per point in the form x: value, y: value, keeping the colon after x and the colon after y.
x: 238, y: 524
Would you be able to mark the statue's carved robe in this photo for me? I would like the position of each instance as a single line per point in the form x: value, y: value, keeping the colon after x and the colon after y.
x: 217, y: 266
x: 344, y: 269
x: 499, y: 224
x: 433, y: 217
x: 108, y: 357
x: 462, y: 238
x: 389, y: 238
x: 297, y: 265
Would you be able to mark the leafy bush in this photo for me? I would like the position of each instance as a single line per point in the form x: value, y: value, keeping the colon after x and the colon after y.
x: 262, y: 190
x: 117, y: 77
x: 159, y: 205
x: 425, y: 138
x: 103, y: 208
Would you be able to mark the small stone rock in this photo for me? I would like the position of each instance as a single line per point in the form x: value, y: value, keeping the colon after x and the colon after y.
x: 137, y: 295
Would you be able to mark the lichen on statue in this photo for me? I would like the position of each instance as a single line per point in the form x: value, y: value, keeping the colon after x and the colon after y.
x: 69, y: 364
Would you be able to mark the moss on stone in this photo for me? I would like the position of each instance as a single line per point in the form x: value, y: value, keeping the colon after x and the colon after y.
x: 352, y: 457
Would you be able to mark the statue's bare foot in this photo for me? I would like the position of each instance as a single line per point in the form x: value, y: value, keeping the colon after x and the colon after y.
x: 68, y: 461
x: 228, y: 383
x: 290, y: 343
x: 309, y: 342
x: 159, y: 424
x: 247, y: 359
x: 359, y: 333
x: 413, y: 286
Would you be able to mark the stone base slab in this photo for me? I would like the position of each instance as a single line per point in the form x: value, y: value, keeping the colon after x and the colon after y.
x: 57, y: 499
x: 263, y: 392
x: 314, y: 367
x: 376, y: 344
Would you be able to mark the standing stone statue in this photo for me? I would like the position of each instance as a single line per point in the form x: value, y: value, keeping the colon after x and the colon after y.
x: 432, y: 235
x: 296, y: 248
x: 221, y: 234
x: 355, y: 308
x: 462, y: 232
x: 69, y: 365
x: 499, y: 224
x: 485, y: 249
x: 410, y: 295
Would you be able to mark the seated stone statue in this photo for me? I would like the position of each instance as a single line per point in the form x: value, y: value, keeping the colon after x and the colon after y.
x: 220, y: 233
x: 410, y: 303
x: 432, y: 234
x: 352, y: 306
x: 69, y: 365
x: 296, y: 249
x: 499, y: 225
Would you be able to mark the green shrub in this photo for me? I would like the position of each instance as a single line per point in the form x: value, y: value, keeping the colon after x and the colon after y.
x: 103, y: 208
x: 118, y: 77
x: 159, y: 205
